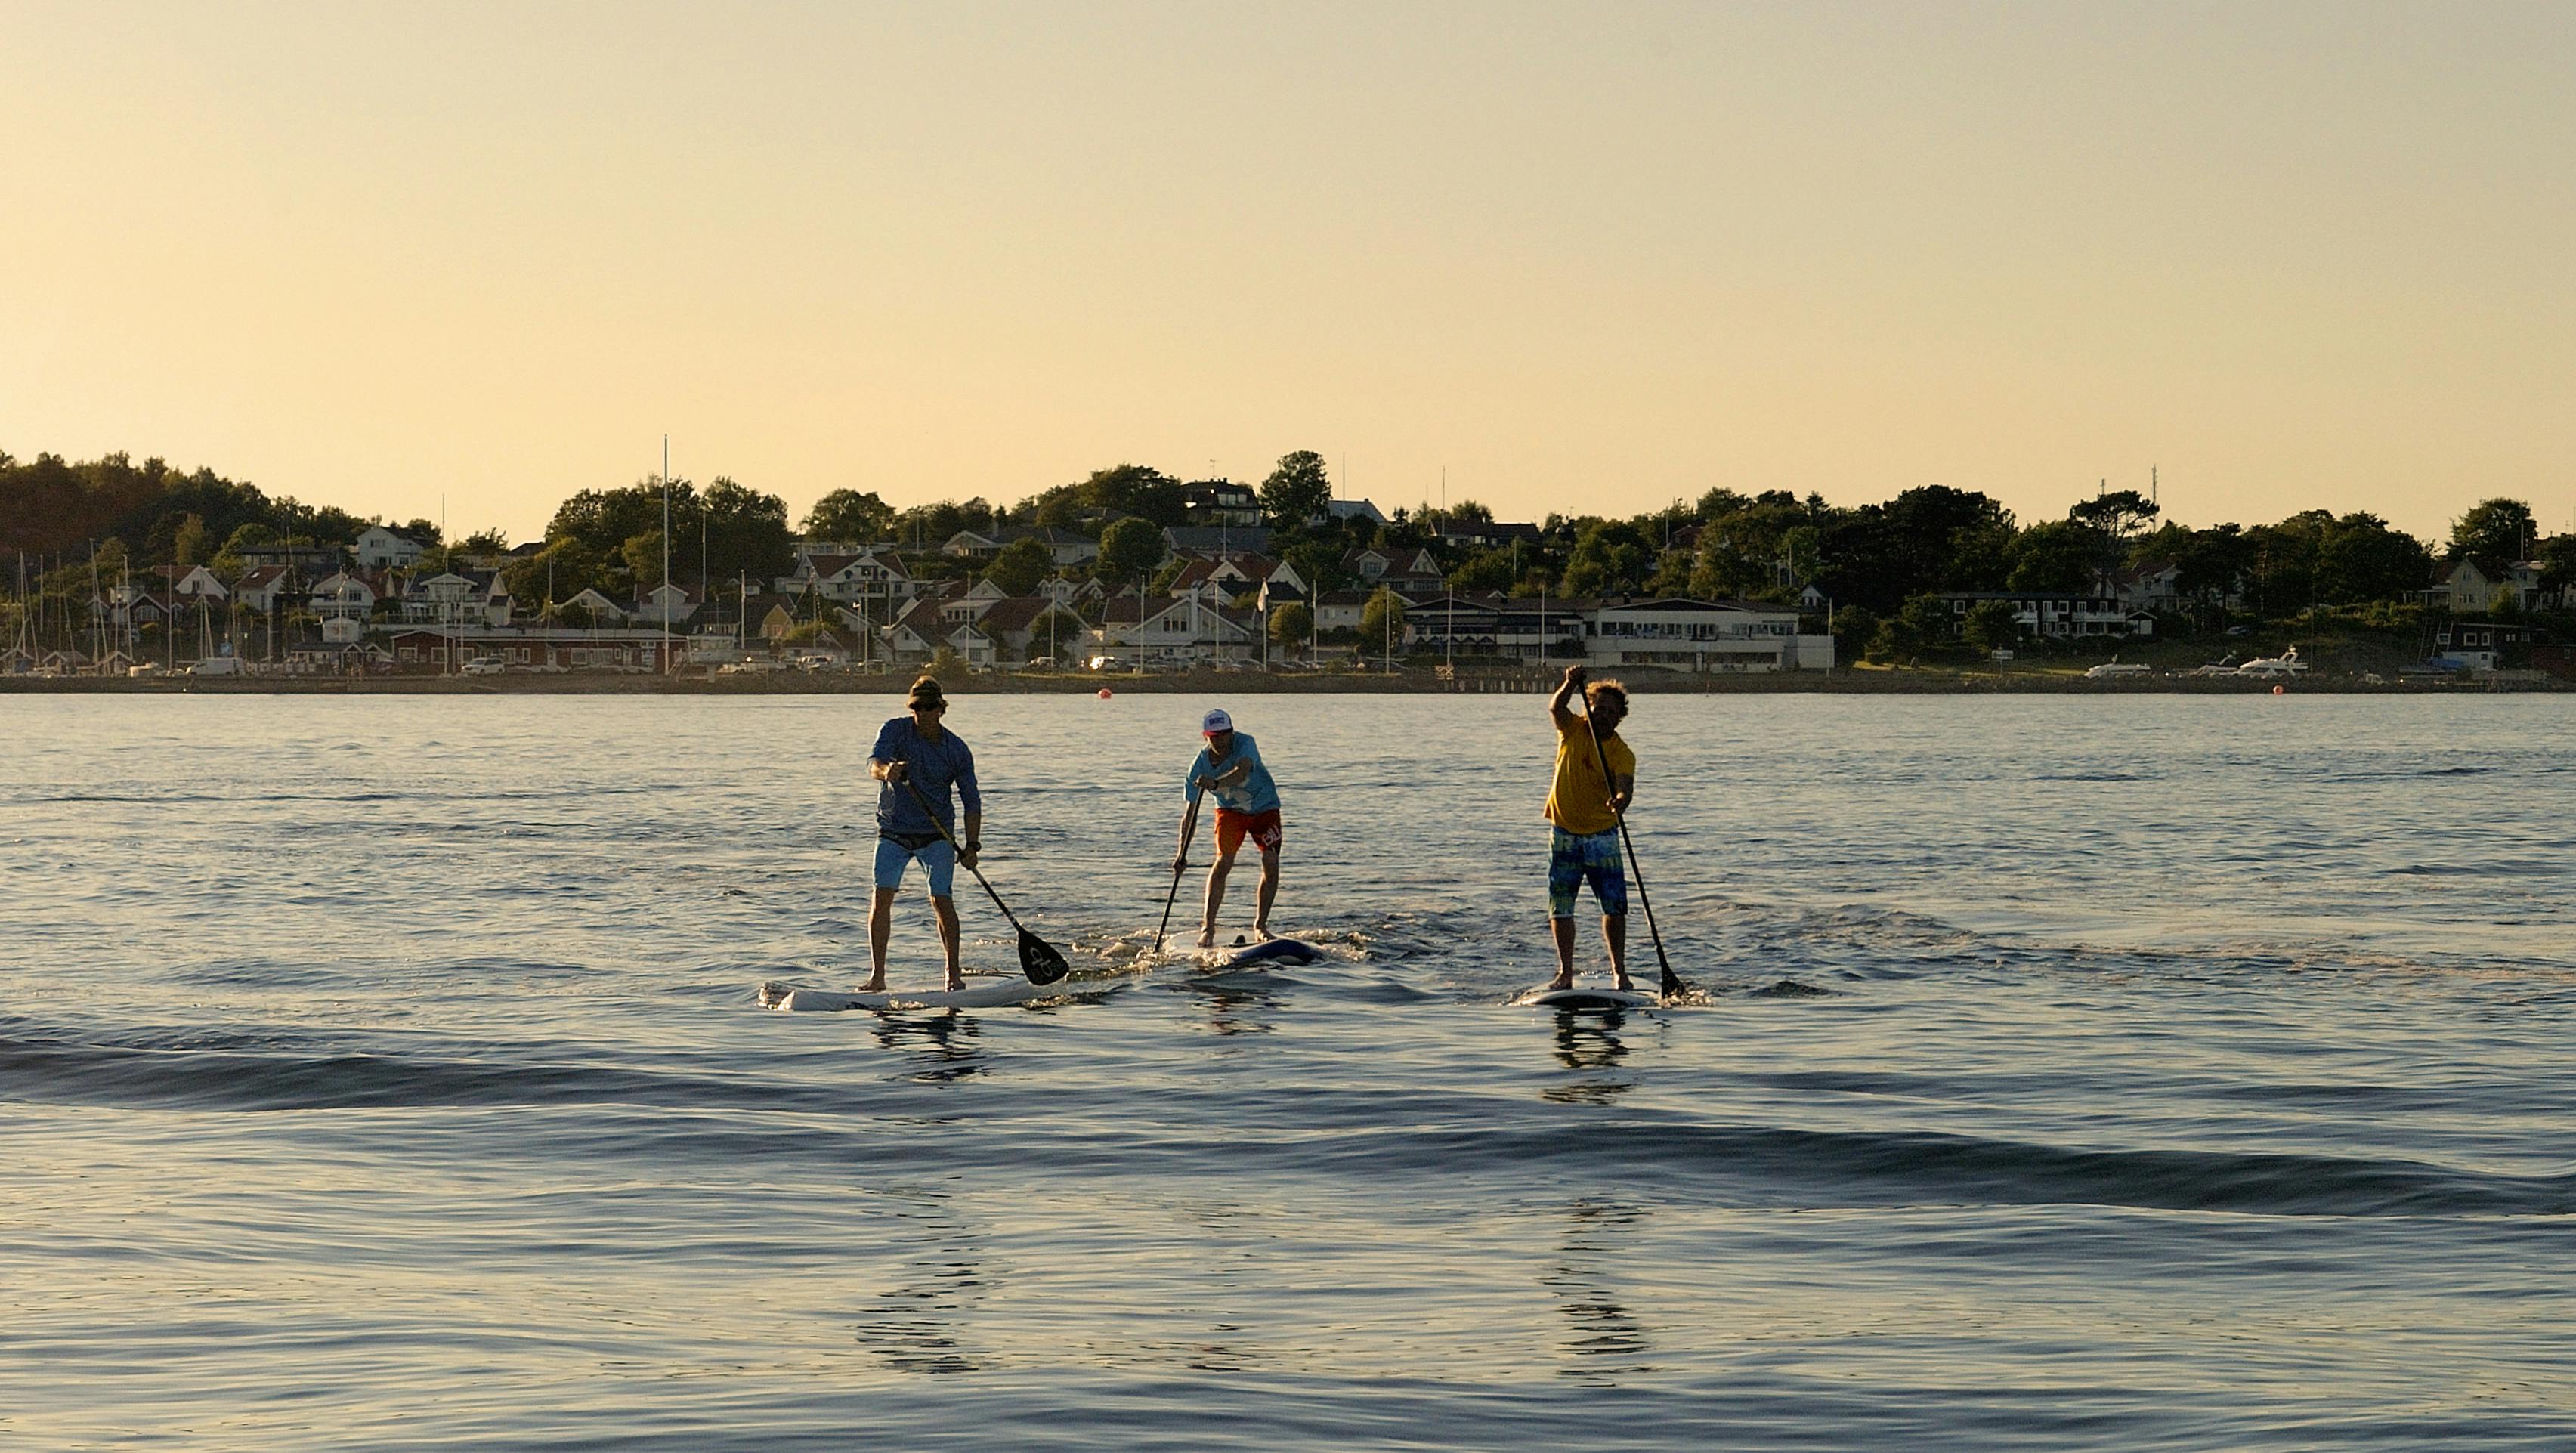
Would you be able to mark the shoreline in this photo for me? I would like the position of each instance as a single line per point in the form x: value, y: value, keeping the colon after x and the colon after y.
x: 1833, y: 683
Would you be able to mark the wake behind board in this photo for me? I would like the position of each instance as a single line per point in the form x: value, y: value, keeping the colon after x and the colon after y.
x: 1583, y: 999
x: 988, y: 994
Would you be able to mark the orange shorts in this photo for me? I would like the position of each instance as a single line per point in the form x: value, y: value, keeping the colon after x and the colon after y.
x: 1231, y: 826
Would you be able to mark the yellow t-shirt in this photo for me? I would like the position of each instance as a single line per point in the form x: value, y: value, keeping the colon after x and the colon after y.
x: 1578, y: 801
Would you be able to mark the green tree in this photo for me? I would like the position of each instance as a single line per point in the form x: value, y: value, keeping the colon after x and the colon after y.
x: 642, y: 554
x: 2211, y: 565
x: 2557, y: 556
x: 2362, y: 559
x: 2495, y: 529
x: 1292, y: 625
x: 743, y: 530
x: 605, y: 519
x: 1129, y: 549
x: 1062, y: 628
x: 1134, y: 489
x: 1611, y: 557
x: 1854, y: 627
x: 560, y: 571
x: 855, y: 516
x: 1382, y: 622
x: 2056, y: 557
x: 1991, y: 626
x: 1492, y: 570
x: 1297, y: 490
x: 188, y: 542
x: 1921, y: 629
x: 1020, y: 566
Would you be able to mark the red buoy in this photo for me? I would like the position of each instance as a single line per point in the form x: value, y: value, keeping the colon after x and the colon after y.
x: 1104, y: 693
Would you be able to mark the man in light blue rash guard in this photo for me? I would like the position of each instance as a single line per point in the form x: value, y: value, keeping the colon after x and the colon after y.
x: 916, y: 753
x: 1247, y: 804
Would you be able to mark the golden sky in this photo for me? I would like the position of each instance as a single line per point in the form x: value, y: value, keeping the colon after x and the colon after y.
x: 1585, y: 257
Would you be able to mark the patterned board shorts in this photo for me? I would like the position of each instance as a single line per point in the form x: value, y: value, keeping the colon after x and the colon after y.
x: 1232, y: 827
x: 1592, y: 858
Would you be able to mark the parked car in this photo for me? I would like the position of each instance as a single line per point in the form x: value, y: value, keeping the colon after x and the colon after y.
x: 482, y: 666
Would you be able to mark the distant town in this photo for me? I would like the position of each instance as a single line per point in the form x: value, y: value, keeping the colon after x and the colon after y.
x: 114, y: 568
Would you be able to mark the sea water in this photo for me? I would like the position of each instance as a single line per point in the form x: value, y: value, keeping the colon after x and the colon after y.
x: 2127, y: 1072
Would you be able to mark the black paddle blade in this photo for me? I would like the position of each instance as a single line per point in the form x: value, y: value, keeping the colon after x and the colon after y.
x: 1040, y: 961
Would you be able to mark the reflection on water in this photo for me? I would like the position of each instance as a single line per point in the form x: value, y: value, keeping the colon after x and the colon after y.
x: 925, y: 1322
x: 1603, y: 1341
x: 941, y: 1042
x: 1588, y: 1042
x: 1237, y: 1003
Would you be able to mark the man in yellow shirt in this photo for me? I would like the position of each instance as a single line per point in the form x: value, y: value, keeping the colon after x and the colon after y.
x: 1585, y: 809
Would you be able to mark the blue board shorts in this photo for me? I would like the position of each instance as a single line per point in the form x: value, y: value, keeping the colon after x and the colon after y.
x: 936, y: 856
x: 1593, y: 858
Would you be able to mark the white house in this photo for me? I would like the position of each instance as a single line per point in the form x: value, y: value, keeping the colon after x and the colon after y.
x: 454, y: 598
x: 263, y: 586
x: 1703, y: 635
x: 2471, y: 586
x: 601, y: 610
x: 665, y: 605
x: 1181, y: 632
x: 2056, y: 617
x: 379, y: 549
x: 345, y: 596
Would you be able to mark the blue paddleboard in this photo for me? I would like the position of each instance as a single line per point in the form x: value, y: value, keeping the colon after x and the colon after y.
x: 1584, y: 999
x: 1268, y: 952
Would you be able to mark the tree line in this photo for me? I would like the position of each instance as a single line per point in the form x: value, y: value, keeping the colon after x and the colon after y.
x: 1872, y: 559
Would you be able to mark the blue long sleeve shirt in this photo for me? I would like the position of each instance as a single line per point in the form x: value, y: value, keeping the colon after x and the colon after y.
x: 936, y: 767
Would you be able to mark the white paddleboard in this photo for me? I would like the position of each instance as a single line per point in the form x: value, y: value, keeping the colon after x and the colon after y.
x: 983, y: 994
x: 1546, y: 998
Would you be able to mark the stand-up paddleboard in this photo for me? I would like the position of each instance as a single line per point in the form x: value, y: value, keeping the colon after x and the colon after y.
x: 987, y: 994
x: 1592, y: 999
x: 1266, y: 953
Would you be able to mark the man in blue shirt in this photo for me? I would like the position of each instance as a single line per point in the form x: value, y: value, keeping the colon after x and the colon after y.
x: 917, y: 752
x: 1247, y: 804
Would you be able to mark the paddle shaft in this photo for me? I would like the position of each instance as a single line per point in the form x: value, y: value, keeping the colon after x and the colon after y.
x: 1180, y: 865
x: 944, y: 836
x: 1670, y: 983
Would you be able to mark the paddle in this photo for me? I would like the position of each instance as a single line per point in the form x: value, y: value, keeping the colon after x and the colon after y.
x: 1671, y: 985
x: 1180, y: 865
x: 1038, y: 958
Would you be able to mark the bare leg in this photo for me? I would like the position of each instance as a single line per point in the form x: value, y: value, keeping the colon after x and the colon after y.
x: 1563, y: 931
x: 1269, y: 891
x: 1215, y: 898
x: 945, y: 910
x: 880, y: 923
x: 1614, y: 932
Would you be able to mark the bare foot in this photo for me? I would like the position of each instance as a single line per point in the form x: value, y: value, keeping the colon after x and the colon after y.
x: 955, y: 983
x: 874, y: 985
x: 1564, y: 980
x: 1207, y: 938
x: 1620, y: 982
x: 1261, y: 933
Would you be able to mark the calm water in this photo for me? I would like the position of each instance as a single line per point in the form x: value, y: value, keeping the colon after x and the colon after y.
x: 2139, y: 1073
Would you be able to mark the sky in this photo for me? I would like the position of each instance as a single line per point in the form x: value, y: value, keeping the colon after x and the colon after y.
x: 1577, y: 258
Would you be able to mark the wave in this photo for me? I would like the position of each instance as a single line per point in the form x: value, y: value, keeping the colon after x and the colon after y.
x: 1362, y: 1137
